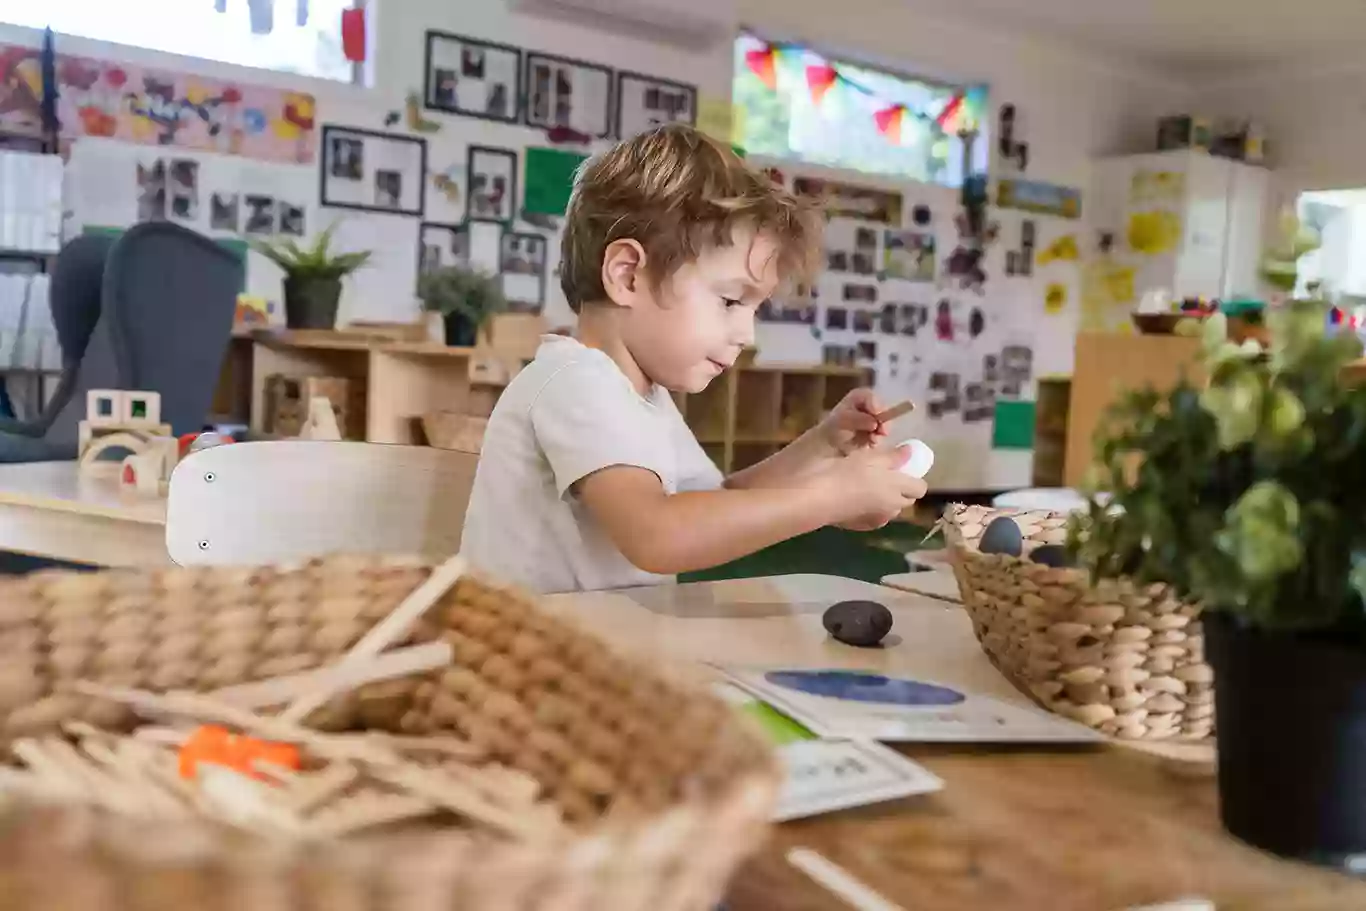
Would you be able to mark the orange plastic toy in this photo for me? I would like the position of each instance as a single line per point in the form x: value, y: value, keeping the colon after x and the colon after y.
x: 211, y: 743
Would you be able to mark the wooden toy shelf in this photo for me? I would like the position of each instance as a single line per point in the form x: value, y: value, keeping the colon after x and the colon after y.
x: 742, y: 418
x: 392, y: 383
x: 755, y: 410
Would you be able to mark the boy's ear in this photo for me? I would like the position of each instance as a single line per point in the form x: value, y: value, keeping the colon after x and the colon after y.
x: 623, y: 271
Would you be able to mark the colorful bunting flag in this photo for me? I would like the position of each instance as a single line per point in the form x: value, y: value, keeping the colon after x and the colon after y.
x: 888, y: 122
x: 820, y: 79
x: 960, y: 115
x: 764, y: 63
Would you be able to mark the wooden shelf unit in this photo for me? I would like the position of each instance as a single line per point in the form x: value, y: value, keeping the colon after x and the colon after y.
x: 755, y: 410
x: 1111, y: 364
x: 393, y: 383
x: 1050, y: 430
x: 742, y: 418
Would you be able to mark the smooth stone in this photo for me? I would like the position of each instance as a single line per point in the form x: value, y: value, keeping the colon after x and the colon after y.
x: 1002, y: 536
x: 859, y: 623
x: 1054, y: 555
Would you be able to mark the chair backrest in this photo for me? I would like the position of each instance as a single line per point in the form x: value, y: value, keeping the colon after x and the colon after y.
x: 248, y: 504
x: 80, y: 313
x: 75, y: 293
x: 170, y: 296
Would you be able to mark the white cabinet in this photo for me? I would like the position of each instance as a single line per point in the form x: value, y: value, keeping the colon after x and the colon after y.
x: 1184, y: 221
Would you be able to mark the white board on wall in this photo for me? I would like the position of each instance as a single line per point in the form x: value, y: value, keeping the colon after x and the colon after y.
x: 952, y: 350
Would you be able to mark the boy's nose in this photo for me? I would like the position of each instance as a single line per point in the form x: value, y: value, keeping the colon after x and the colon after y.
x: 743, y: 333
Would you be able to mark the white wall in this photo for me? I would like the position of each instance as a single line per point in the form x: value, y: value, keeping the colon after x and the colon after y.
x: 1315, y: 122
x: 1071, y: 105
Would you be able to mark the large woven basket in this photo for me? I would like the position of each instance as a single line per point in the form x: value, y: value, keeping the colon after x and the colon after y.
x: 664, y: 789
x: 1127, y: 660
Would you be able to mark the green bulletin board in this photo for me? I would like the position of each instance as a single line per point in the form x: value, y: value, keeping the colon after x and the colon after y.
x: 549, y: 179
x: 1014, y: 426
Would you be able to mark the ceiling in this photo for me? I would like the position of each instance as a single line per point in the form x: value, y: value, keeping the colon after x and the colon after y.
x: 1197, y: 39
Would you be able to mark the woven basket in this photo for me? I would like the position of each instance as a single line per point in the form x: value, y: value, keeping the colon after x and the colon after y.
x: 1124, y: 659
x: 665, y: 790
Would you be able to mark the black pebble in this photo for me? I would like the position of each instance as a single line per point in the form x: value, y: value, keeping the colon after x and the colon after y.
x: 860, y: 623
x: 1054, y: 555
x: 1002, y: 537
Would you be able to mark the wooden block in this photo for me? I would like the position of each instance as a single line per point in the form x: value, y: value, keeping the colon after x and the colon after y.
x: 287, y: 403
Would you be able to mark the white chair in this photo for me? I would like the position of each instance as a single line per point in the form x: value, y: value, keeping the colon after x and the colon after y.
x: 1052, y: 499
x: 276, y: 502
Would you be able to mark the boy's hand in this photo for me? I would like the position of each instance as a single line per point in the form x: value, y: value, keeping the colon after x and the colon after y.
x: 853, y: 424
x: 872, y: 489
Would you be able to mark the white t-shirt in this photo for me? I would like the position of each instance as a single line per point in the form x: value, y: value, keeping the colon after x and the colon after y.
x: 569, y: 413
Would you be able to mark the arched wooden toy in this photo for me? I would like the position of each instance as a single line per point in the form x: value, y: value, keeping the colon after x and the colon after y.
x: 128, y: 420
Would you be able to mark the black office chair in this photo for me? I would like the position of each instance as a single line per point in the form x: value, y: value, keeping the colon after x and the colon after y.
x: 170, y: 296
x: 75, y: 301
x: 166, y: 301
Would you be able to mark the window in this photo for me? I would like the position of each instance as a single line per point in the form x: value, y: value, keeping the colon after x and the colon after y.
x: 793, y: 103
x: 296, y: 36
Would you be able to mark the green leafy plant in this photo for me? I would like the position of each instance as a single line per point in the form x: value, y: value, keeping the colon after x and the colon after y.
x: 313, y: 262
x: 1249, y: 494
x: 1280, y: 265
x: 462, y: 291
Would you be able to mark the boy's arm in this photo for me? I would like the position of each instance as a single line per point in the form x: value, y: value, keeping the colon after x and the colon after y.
x: 786, y: 466
x: 683, y: 532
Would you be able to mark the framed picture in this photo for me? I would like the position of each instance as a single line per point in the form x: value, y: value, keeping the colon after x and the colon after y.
x: 491, y: 184
x: 372, y: 172
x: 472, y: 78
x: 644, y: 102
x: 522, y: 262
x: 484, y: 240
x: 562, y: 92
x: 441, y: 245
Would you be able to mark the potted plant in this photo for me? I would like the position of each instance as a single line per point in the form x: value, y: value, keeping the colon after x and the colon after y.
x: 1250, y: 498
x: 313, y: 277
x: 464, y: 297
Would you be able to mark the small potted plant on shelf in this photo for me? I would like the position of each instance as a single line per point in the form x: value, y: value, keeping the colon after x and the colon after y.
x: 1250, y: 498
x: 466, y: 299
x: 313, y: 277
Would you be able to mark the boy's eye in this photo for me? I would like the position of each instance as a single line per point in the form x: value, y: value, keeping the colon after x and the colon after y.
x: 732, y: 302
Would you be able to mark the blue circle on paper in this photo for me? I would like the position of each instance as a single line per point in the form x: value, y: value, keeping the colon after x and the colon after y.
x: 255, y: 120
x: 855, y: 687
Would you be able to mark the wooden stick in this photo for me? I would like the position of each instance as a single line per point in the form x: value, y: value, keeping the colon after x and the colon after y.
x: 307, y: 792
x: 384, y: 633
x: 465, y: 801
x: 365, y: 811
x: 340, y: 676
x: 896, y: 411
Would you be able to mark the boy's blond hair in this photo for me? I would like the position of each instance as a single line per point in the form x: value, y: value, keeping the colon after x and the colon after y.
x: 677, y: 192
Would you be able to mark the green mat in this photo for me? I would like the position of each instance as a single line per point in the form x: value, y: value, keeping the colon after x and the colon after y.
x: 830, y: 552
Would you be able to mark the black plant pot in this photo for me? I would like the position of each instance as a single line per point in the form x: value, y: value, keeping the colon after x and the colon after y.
x: 1291, y: 718
x: 460, y: 331
x: 311, y: 303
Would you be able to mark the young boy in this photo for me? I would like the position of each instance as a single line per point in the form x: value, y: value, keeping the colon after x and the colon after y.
x: 589, y: 478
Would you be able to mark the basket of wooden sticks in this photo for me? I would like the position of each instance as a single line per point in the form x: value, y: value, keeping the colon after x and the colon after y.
x: 1126, y: 659
x: 354, y: 733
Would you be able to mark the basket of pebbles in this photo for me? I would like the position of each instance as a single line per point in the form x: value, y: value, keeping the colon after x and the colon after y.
x: 1125, y: 659
x: 359, y: 733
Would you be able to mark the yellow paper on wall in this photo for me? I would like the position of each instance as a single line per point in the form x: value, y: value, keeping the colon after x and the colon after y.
x: 719, y: 119
x: 1064, y: 249
x: 1155, y: 232
x: 1055, y: 298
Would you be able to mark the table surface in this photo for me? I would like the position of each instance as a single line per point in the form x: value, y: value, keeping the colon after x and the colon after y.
x: 59, y: 487
x: 1054, y: 829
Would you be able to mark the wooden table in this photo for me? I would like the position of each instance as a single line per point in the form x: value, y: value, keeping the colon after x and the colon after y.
x: 938, y: 582
x: 1024, y: 829
x: 48, y: 510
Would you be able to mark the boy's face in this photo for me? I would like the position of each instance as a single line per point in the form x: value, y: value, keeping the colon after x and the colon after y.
x: 685, y: 335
